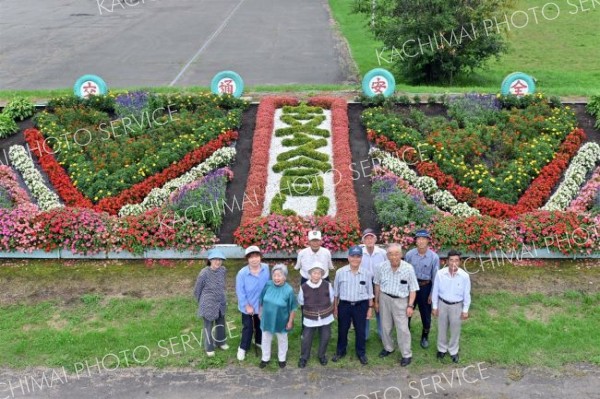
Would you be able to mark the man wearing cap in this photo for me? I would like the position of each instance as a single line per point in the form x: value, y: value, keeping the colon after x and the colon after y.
x: 312, y: 254
x: 316, y: 295
x: 395, y: 291
x: 373, y: 256
x: 451, y: 298
x: 249, y: 283
x: 353, y: 304
x: 426, y: 264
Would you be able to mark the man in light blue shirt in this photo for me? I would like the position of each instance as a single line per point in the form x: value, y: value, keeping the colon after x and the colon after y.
x: 426, y: 264
x: 451, y: 298
x: 373, y: 256
x: 353, y: 304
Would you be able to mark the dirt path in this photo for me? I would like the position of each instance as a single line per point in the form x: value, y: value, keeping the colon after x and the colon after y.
x: 467, y: 380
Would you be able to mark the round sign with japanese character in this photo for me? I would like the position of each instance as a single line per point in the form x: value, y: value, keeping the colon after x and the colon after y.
x: 89, y: 85
x: 227, y: 82
x: 379, y: 81
x: 518, y: 84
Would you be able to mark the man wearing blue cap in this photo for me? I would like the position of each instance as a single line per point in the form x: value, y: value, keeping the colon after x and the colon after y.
x: 353, y: 303
x: 426, y: 264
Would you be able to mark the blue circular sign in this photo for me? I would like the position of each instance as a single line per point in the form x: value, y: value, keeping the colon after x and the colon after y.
x: 227, y: 82
x: 518, y: 84
x: 90, y: 85
x: 378, y: 81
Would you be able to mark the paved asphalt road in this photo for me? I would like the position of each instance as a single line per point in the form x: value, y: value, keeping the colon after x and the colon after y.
x: 467, y: 381
x: 50, y: 43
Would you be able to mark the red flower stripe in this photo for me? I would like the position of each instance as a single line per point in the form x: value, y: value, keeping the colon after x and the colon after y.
x: 59, y: 178
x: 259, y: 161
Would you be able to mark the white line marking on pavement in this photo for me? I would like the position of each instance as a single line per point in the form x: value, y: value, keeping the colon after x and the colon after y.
x: 207, y: 43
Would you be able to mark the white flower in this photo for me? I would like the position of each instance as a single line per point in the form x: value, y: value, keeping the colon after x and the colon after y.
x: 442, y: 199
x: 46, y: 198
x: 586, y: 158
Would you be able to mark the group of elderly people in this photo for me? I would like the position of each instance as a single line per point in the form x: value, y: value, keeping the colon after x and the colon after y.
x: 375, y: 283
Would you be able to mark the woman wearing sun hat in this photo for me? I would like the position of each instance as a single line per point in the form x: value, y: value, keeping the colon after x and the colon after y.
x: 249, y: 283
x: 209, y: 292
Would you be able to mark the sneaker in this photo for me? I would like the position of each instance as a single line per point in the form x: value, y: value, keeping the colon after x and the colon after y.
x: 210, y: 354
x: 224, y: 347
x: 282, y: 364
x: 263, y: 364
x: 241, y: 355
x: 405, y: 361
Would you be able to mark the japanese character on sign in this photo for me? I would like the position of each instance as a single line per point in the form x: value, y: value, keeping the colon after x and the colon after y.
x: 519, y: 88
x: 379, y: 85
x: 226, y: 86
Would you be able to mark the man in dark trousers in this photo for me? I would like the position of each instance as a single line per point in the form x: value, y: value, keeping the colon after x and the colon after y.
x: 353, y: 303
x: 426, y: 264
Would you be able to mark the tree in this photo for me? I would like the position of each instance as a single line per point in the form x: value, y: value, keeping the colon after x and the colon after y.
x: 432, y: 41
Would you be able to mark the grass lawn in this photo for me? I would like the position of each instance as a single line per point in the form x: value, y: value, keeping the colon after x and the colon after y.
x: 57, y: 315
x: 562, y: 54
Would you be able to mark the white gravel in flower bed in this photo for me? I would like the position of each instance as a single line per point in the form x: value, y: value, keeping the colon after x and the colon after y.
x: 304, y: 205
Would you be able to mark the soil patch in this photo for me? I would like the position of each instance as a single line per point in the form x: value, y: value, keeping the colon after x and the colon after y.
x: 241, y: 167
x: 361, y: 168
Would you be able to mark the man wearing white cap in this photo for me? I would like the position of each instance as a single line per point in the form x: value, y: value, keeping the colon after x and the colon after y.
x: 307, y: 257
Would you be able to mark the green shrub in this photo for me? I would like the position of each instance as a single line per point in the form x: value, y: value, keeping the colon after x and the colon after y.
x: 593, y: 108
x: 19, y: 109
x: 7, y: 126
x: 395, y: 208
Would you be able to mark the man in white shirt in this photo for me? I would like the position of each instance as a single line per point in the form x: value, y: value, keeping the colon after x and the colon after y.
x: 451, y: 298
x: 314, y: 253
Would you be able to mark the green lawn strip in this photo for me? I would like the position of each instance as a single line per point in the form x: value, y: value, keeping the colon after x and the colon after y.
x: 505, y: 329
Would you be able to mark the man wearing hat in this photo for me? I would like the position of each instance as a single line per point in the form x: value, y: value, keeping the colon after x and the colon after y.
x: 353, y: 303
x: 249, y: 283
x: 312, y: 254
x: 373, y: 256
x: 426, y: 264
x: 209, y: 292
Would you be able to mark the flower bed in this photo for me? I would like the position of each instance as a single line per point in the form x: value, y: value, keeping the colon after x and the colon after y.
x: 587, y: 195
x: 84, y: 231
x: 8, y: 181
x: 582, y: 164
x: 45, y: 198
x: 485, y: 156
x: 133, y: 195
x: 254, y: 225
x: 103, y: 157
x: 159, y: 196
x: 534, y: 196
